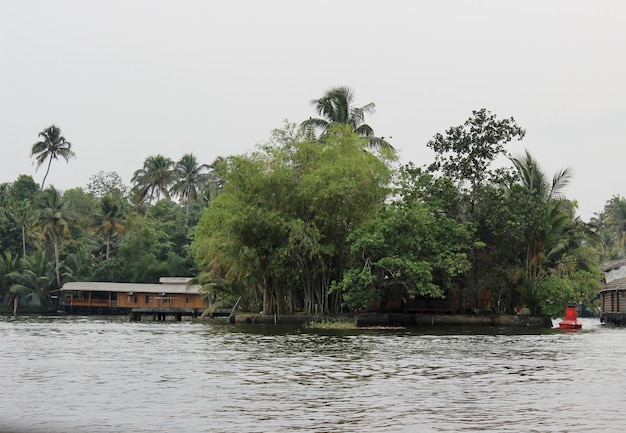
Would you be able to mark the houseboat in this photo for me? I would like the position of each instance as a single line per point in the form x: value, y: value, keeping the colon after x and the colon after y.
x: 172, y: 295
x: 613, y: 293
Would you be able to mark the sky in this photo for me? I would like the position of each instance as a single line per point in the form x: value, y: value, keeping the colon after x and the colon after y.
x: 126, y: 79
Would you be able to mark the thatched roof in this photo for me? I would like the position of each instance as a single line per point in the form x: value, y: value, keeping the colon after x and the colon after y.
x: 618, y: 284
x: 613, y: 264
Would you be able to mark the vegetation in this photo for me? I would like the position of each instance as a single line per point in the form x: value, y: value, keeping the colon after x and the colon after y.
x: 319, y: 220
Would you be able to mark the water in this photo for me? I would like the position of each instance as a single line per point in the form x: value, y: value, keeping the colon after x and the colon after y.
x: 84, y: 374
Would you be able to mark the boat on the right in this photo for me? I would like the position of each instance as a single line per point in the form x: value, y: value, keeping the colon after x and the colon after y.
x: 613, y: 293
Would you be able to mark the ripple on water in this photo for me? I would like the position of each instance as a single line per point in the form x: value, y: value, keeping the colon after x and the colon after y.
x: 101, y: 375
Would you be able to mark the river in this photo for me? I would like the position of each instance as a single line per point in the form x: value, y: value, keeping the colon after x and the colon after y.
x: 95, y: 374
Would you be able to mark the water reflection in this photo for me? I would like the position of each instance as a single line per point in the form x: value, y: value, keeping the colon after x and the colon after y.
x: 102, y: 375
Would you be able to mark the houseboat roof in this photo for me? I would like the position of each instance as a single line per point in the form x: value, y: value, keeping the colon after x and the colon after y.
x: 618, y: 284
x: 129, y: 287
x: 613, y: 264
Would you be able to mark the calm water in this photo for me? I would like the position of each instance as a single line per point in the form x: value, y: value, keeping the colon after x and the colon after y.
x: 79, y: 374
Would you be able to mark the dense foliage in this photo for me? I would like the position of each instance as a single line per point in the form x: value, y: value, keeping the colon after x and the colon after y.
x: 319, y: 224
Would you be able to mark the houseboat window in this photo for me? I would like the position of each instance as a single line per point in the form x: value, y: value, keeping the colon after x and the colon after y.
x: 186, y: 299
x: 135, y: 299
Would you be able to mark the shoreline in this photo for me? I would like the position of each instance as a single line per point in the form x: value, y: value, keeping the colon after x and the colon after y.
x: 401, y: 319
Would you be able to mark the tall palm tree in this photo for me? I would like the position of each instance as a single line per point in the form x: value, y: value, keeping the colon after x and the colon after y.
x: 53, y: 223
x: 189, y: 177
x: 153, y: 179
x: 52, y: 146
x: 109, y: 220
x: 337, y: 107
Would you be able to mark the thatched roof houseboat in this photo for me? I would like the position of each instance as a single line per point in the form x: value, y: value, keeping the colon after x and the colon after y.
x: 613, y: 293
x: 171, y: 296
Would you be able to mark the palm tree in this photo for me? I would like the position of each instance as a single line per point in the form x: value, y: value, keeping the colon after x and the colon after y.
x: 216, y: 179
x: 8, y: 264
x: 337, y: 107
x: 34, y: 278
x: 53, y: 223
x: 109, y: 220
x: 153, y: 180
x: 550, y: 216
x: 190, y: 176
x: 52, y: 146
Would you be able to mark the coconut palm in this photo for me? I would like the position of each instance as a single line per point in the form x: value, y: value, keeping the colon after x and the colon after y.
x: 109, y: 220
x: 189, y: 177
x: 337, y: 106
x: 153, y: 179
x: 8, y: 264
x: 53, y: 224
x: 216, y: 179
x: 550, y: 216
x: 52, y: 146
x: 34, y: 278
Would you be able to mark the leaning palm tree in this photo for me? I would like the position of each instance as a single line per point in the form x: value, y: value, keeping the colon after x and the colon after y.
x: 52, y: 146
x: 189, y: 177
x: 153, y: 179
x: 337, y: 106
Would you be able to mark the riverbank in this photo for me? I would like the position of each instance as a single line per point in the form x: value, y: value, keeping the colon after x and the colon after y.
x: 399, y: 319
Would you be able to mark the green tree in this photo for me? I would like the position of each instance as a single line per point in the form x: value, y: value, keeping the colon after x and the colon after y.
x: 337, y: 107
x: 34, y: 278
x: 9, y: 264
x: 189, y: 177
x: 283, y: 218
x: 466, y: 155
x: 51, y: 146
x: 408, y: 251
x: 108, y: 221
x: 466, y: 152
x: 53, y: 224
x: 215, y: 181
x: 153, y: 179
x: 549, y: 220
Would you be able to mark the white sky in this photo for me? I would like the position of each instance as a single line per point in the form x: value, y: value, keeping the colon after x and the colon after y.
x: 125, y: 79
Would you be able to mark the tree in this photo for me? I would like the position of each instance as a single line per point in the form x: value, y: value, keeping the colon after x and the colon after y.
x: 549, y: 220
x: 466, y: 153
x: 108, y: 220
x: 35, y: 277
x: 153, y: 179
x: 106, y: 183
x: 408, y: 251
x: 9, y: 264
x: 52, y: 146
x: 282, y: 221
x: 337, y: 107
x: 215, y: 179
x: 53, y: 223
x: 189, y: 177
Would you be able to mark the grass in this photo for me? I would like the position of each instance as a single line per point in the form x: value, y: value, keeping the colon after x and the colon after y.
x: 332, y: 324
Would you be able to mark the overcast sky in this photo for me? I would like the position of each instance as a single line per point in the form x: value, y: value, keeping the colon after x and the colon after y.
x: 125, y: 79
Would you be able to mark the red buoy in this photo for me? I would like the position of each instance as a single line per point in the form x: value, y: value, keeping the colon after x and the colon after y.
x: 571, y: 319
